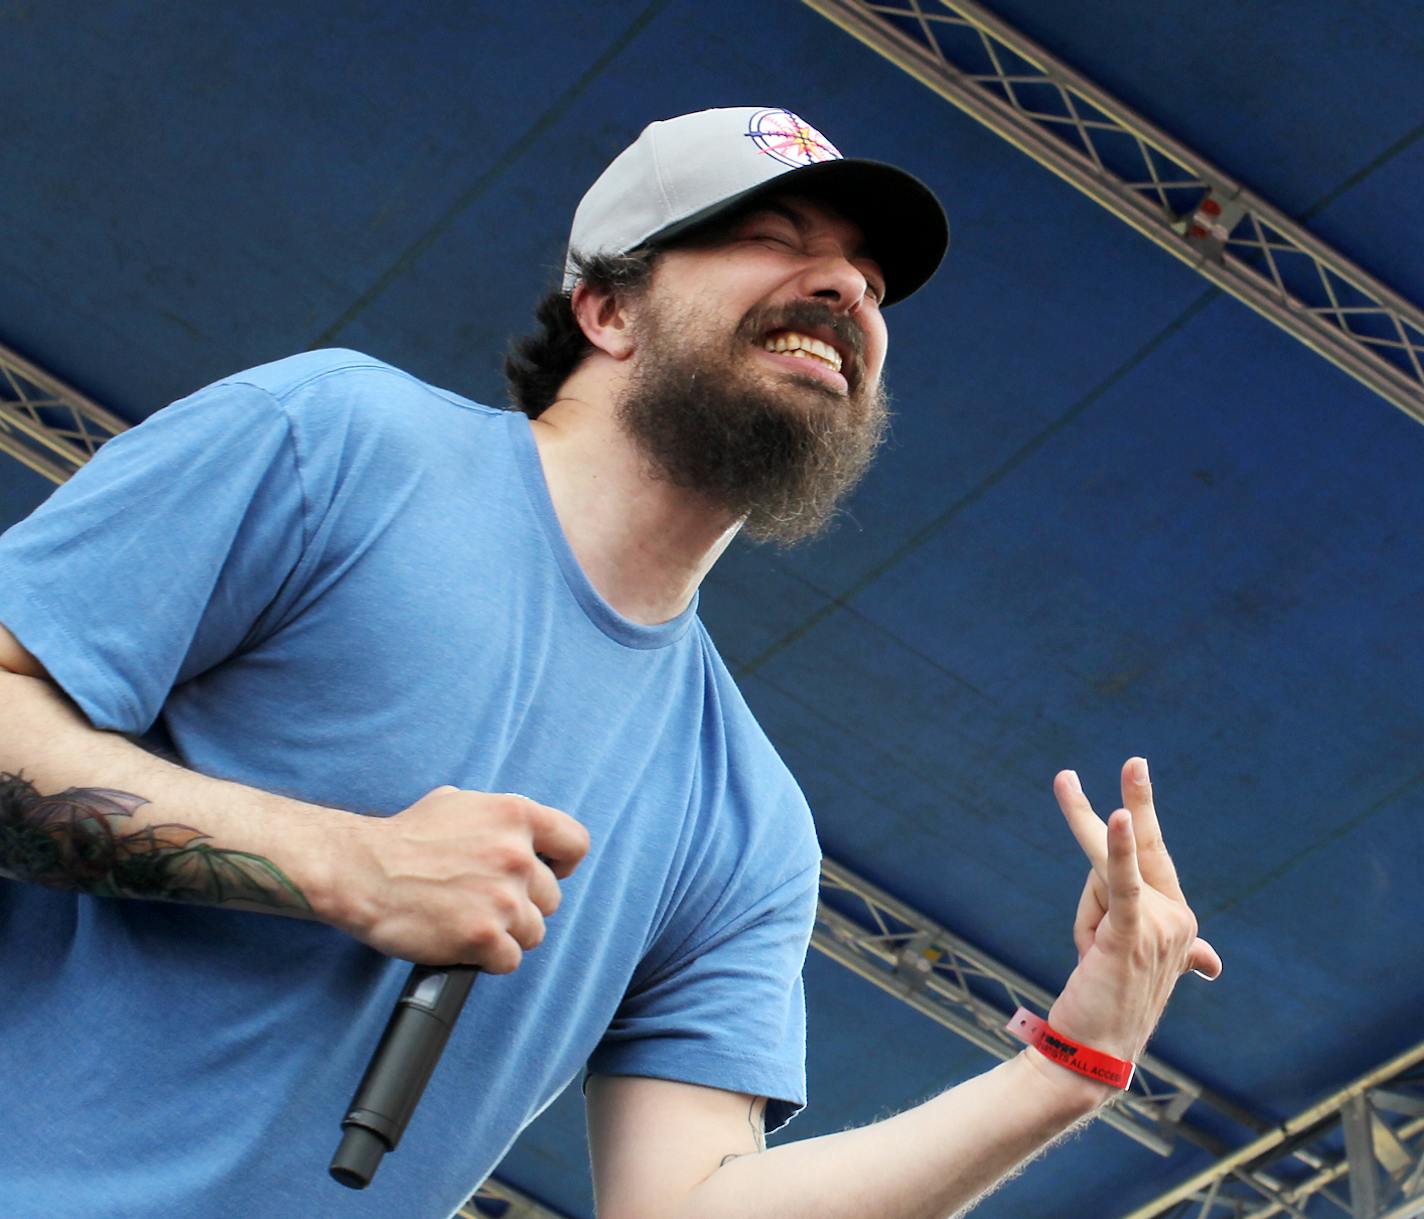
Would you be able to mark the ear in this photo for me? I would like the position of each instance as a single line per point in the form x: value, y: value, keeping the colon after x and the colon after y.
x: 604, y: 320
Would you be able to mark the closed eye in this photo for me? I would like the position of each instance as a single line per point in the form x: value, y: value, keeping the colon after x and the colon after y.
x: 772, y: 225
x: 777, y: 236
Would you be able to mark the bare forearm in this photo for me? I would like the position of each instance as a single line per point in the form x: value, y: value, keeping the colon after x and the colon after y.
x: 929, y: 1162
x: 89, y: 810
x: 657, y: 1144
x: 457, y: 876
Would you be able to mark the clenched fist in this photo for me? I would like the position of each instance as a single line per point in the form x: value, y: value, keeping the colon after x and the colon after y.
x: 459, y: 877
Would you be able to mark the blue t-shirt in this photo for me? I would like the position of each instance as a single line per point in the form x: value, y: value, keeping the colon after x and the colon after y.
x: 327, y: 579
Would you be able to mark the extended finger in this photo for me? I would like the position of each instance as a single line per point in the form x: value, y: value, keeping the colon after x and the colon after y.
x: 1087, y: 826
x: 1092, y: 905
x: 1124, y: 878
x: 1152, y: 857
x: 1204, y: 961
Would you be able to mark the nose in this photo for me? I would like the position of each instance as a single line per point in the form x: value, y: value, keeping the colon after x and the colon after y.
x: 836, y: 281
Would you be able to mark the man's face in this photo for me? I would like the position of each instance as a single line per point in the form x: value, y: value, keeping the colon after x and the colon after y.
x: 757, y: 372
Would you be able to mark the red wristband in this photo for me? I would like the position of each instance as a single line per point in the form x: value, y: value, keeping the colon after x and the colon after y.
x: 1033, y: 1030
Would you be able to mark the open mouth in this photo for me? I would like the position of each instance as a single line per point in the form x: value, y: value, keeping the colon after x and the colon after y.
x: 805, y: 347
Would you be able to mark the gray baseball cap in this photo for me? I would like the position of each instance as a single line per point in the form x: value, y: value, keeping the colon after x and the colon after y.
x: 682, y: 172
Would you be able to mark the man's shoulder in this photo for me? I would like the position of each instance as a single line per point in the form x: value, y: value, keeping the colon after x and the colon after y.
x: 353, y: 416
x: 345, y: 403
x: 283, y: 377
x: 344, y: 377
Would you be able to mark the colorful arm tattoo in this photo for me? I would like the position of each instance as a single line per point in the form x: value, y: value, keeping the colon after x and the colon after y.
x: 82, y: 839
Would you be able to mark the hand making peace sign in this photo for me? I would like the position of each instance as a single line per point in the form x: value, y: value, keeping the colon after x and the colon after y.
x: 1134, y: 931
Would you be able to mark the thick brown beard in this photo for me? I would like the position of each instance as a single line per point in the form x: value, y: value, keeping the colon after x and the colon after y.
x: 781, y: 453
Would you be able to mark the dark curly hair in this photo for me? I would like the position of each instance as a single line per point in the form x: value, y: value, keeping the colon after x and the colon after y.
x: 536, y: 365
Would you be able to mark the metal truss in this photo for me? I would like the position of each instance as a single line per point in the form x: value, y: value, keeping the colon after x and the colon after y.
x: 1287, y: 1169
x: 1369, y: 1135
x: 45, y: 424
x: 1371, y: 1132
x: 969, y: 992
x: 1162, y: 189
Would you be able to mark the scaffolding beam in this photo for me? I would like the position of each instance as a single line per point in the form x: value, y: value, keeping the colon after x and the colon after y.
x: 1381, y: 1118
x: 970, y: 993
x: 45, y: 424
x: 1287, y: 1169
x: 1167, y: 192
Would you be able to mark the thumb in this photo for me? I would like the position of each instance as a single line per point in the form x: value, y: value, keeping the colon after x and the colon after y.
x: 1204, y: 961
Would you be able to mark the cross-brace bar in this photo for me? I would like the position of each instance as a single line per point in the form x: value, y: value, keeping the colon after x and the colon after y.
x: 1167, y: 192
x: 903, y: 952
x: 1381, y: 1116
x: 45, y: 424
x: 966, y: 990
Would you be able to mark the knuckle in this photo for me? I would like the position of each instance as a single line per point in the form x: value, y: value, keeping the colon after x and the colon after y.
x: 1181, y: 919
x: 490, y: 946
x: 512, y: 859
x: 517, y: 809
x: 482, y: 933
x: 499, y: 811
x: 505, y: 906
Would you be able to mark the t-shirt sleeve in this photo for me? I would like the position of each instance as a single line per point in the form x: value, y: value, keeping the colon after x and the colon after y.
x: 728, y: 1013
x: 158, y: 558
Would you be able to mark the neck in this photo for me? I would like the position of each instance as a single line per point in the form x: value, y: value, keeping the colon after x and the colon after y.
x: 643, y: 543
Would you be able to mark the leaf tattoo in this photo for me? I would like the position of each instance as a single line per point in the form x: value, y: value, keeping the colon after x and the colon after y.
x: 82, y: 838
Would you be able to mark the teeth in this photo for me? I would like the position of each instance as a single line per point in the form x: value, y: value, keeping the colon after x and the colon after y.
x: 804, y: 347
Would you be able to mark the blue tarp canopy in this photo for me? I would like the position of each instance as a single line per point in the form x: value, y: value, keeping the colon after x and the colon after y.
x: 1121, y: 513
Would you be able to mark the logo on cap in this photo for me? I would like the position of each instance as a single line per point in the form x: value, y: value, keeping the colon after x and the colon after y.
x: 789, y: 139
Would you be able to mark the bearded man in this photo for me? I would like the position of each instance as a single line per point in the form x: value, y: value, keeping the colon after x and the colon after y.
x: 326, y: 586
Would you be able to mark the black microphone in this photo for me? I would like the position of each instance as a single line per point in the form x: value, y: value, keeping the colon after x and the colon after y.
x: 399, y: 1069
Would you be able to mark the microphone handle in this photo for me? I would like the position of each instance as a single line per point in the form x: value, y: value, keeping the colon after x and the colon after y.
x: 399, y: 1069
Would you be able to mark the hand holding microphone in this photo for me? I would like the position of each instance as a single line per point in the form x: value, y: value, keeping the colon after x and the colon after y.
x: 458, y: 876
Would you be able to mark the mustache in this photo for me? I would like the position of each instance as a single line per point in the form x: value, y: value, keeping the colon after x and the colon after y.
x: 807, y: 315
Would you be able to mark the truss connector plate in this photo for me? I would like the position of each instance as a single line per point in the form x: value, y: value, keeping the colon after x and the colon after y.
x: 915, y: 962
x: 1208, y: 227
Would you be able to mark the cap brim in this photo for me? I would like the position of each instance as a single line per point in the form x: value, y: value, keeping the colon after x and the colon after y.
x: 905, y: 228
